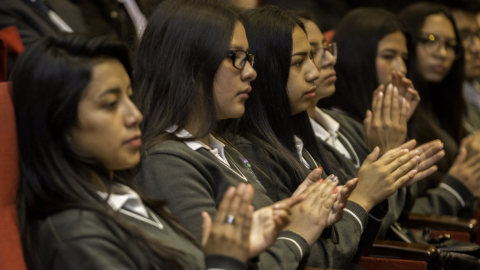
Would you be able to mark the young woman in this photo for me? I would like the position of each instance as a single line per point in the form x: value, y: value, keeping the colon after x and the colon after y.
x: 384, y: 41
x: 347, y: 139
x: 193, y: 69
x: 275, y: 134
x: 78, y: 131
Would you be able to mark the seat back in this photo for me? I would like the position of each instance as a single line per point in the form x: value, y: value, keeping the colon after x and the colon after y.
x: 11, y: 255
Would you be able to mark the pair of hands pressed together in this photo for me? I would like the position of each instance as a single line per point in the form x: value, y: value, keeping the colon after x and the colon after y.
x: 386, y: 124
x: 386, y: 129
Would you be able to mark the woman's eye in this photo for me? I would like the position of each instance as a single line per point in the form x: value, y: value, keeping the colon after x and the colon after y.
x: 110, y: 105
x: 297, y: 63
x: 388, y: 57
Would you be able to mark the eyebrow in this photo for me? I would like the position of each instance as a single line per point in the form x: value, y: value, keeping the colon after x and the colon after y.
x: 300, y: 54
x: 114, y: 91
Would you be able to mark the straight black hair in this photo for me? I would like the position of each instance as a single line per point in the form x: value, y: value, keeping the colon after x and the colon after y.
x: 49, y: 81
x: 268, y: 122
x: 182, y: 47
x: 357, y: 38
x: 442, y: 102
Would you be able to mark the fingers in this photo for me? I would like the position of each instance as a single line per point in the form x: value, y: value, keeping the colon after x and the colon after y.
x: 367, y: 122
x: 404, y: 114
x: 371, y: 157
x: 395, y: 106
x: 312, y: 178
x: 407, y: 163
x: 460, y: 157
x: 435, y: 144
x: 377, y: 110
x: 387, y: 104
x: 246, y: 225
x: 350, y: 186
x: 206, y: 227
x: 225, y: 205
x: 421, y: 175
x: 408, y: 145
x: 392, y: 156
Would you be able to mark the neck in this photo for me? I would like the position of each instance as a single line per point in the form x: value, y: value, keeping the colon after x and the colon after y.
x: 311, y: 109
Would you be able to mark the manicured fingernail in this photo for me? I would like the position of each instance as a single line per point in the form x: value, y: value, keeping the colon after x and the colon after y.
x: 343, y: 206
x: 335, y: 191
x: 334, y: 179
x: 330, y: 177
x: 319, y: 167
x: 320, y: 181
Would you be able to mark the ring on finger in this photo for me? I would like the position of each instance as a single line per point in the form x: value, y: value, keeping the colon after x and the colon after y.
x: 230, y: 219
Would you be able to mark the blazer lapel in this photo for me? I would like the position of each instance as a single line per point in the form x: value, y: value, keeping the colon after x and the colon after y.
x: 70, y: 13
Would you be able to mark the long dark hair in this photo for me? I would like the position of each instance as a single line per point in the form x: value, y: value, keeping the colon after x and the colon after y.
x: 357, y: 38
x: 268, y: 122
x: 182, y: 47
x: 442, y: 102
x: 49, y: 81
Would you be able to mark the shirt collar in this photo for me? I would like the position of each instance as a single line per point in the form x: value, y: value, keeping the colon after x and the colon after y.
x: 298, y: 146
x: 124, y: 197
x: 216, y: 147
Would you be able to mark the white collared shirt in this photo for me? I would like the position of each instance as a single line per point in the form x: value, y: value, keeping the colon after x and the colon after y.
x: 326, y: 128
x: 125, y: 197
x: 299, y: 147
x: 216, y: 147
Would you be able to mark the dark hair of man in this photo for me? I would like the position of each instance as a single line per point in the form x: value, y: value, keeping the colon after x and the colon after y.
x: 49, y: 81
x: 268, y: 122
x: 468, y: 6
x: 357, y: 38
x: 442, y: 102
x: 182, y: 47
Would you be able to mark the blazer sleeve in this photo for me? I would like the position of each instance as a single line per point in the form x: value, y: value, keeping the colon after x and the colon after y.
x: 189, y: 189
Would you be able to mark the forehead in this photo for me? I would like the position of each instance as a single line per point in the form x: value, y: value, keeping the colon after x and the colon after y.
x: 105, y: 75
x: 300, y: 41
x: 395, y: 40
x: 314, y: 33
x: 239, y: 38
x: 465, y: 20
x: 438, y: 25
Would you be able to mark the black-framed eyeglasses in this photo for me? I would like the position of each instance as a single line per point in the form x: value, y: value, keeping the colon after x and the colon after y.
x: 322, y: 50
x: 432, y: 44
x: 240, y: 58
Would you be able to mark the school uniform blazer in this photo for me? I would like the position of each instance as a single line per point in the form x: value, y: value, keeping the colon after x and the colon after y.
x: 83, y: 239
x: 339, y: 245
x: 451, y: 198
x: 195, y: 181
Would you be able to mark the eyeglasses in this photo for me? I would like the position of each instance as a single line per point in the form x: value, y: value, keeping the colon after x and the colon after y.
x: 470, y: 38
x: 322, y: 51
x: 240, y: 58
x: 433, y: 44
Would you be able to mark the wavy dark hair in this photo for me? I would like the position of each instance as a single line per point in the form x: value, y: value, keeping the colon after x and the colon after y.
x: 268, y: 122
x: 443, y: 102
x: 49, y: 81
x: 182, y: 47
x: 357, y: 38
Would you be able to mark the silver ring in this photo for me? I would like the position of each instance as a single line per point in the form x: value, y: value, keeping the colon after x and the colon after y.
x: 230, y: 219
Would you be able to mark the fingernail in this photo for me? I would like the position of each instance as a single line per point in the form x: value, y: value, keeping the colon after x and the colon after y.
x: 395, y: 89
x: 330, y: 177
x: 320, y: 181
x: 335, y: 191
x: 276, y: 206
x: 413, y: 173
x: 416, y: 153
x: 405, y: 151
x: 334, y: 179
x: 380, y: 94
x: 390, y: 86
x: 241, y: 187
x: 417, y: 158
x: 343, y: 206
x: 320, y: 167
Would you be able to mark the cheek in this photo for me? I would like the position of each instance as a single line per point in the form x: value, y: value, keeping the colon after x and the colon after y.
x: 384, y: 71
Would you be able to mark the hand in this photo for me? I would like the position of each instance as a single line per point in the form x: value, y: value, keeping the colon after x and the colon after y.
x: 310, y: 216
x: 312, y: 178
x: 430, y: 153
x: 268, y: 222
x: 407, y: 91
x: 344, y: 192
x: 386, y: 127
x: 467, y: 171
x: 230, y: 239
x: 380, y: 179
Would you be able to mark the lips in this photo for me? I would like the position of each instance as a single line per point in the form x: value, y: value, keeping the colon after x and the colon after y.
x: 135, y: 141
x: 245, y: 92
x: 438, y: 69
x: 311, y: 93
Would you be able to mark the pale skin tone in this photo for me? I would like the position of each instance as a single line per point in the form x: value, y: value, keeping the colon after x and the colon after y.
x: 425, y: 156
x: 467, y: 25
